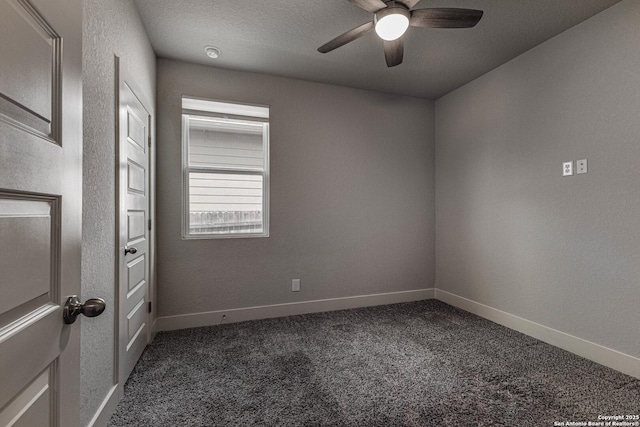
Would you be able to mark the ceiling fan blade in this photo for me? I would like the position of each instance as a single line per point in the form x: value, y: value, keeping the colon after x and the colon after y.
x: 347, y: 37
x: 369, y: 5
x: 445, y: 18
x: 393, y: 52
x: 408, y: 3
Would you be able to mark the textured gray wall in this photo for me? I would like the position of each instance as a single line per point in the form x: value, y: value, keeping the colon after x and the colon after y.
x: 514, y: 234
x: 352, y: 195
x: 110, y: 27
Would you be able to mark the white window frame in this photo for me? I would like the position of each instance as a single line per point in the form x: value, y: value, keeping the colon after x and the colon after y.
x: 187, y: 169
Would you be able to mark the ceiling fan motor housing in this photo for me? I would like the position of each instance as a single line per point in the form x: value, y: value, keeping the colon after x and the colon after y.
x: 393, y: 7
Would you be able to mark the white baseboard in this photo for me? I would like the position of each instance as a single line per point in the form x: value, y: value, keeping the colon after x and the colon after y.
x: 614, y: 359
x: 106, y: 409
x: 210, y: 318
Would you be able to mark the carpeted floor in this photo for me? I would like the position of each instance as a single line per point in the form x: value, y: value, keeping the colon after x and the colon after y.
x: 414, y: 364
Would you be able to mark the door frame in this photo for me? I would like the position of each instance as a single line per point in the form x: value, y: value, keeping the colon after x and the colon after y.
x: 122, y: 75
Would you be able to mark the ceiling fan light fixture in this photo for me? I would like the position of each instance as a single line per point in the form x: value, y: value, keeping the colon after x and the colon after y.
x: 391, y: 23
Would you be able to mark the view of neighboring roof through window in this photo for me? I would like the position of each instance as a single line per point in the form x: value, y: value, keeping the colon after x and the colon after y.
x: 225, y: 169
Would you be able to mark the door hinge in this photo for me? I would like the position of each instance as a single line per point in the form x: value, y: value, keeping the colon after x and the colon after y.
x: 149, y: 140
x: 149, y: 307
x: 149, y: 224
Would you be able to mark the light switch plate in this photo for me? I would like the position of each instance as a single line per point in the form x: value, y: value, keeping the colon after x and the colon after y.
x: 567, y: 168
x: 581, y: 166
x: 295, y: 285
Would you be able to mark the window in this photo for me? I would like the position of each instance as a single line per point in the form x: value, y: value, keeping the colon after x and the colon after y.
x: 225, y: 164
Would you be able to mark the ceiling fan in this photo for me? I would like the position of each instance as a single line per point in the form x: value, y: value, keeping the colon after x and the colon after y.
x: 391, y: 19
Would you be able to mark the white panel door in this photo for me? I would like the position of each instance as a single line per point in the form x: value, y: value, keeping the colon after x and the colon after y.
x: 134, y: 260
x: 40, y: 210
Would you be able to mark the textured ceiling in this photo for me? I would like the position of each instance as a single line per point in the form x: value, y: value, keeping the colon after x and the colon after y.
x: 280, y: 37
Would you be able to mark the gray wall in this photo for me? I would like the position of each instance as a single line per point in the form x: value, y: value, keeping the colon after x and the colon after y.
x: 352, y: 195
x: 110, y: 27
x: 514, y: 234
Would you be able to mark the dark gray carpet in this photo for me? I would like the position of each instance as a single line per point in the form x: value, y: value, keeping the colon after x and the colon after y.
x: 415, y: 364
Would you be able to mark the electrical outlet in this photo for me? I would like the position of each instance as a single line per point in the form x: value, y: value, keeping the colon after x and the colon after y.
x: 581, y: 166
x: 567, y: 168
x: 295, y: 285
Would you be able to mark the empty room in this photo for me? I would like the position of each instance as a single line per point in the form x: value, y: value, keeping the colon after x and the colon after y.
x: 319, y: 213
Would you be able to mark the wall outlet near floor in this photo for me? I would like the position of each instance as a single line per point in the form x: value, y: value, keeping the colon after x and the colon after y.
x: 581, y: 166
x: 295, y: 285
x: 567, y: 168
